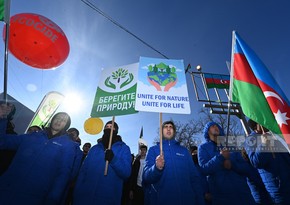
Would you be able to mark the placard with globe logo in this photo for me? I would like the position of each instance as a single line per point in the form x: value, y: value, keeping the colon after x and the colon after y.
x: 116, y: 92
x: 161, y: 86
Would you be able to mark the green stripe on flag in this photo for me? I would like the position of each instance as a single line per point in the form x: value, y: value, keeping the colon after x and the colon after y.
x: 1, y: 10
x: 219, y: 86
x: 254, y: 104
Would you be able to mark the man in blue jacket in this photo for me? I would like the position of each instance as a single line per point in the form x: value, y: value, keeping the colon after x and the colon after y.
x: 272, y: 160
x: 92, y: 186
x: 42, y: 165
x: 224, y: 169
x: 171, y: 177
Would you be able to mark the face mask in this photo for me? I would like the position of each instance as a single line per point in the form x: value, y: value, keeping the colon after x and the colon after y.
x: 106, y: 137
x: 107, y: 132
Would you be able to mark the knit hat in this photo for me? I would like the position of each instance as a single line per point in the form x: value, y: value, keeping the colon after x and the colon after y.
x: 115, y: 126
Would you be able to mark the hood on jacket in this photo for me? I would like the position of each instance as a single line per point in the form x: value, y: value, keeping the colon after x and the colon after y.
x: 206, y: 128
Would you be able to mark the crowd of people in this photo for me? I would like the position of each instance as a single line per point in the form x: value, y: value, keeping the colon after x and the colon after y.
x: 46, y: 166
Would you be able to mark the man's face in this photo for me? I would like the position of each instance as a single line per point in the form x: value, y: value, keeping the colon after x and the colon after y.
x: 213, y: 132
x: 86, y: 147
x: 33, y: 129
x: 74, y: 135
x: 168, y: 131
x: 108, y: 126
x: 59, y: 122
x: 143, y: 152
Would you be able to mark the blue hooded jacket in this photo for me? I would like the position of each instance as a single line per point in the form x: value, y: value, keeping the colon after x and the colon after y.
x: 274, y: 169
x: 257, y: 187
x: 92, y: 187
x: 40, y: 170
x: 227, y: 186
x: 177, y: 183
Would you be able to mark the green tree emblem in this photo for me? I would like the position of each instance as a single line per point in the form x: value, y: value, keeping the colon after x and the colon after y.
x: 119, y: 76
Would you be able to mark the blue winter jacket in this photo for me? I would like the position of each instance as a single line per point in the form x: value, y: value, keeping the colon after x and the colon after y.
x: 227, y: 187
x: 77, y: 161
x: 177, y: 183
x: 40, y: 169
x: 274, y: 169
x: 92, y: 187
x: 74, y: 172
x: 257, y: 187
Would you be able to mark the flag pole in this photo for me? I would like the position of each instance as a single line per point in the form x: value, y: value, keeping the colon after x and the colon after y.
x: 140, y: 137
x: 7, y: 32
x: 160, y: 133
x: 231, y: 85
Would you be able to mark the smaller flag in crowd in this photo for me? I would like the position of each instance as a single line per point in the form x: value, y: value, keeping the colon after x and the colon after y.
x: 217, y: 81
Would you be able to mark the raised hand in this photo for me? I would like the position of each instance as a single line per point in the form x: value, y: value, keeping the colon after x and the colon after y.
x: 5, y: 109
x: 156, y: 85
x: 160, y: 162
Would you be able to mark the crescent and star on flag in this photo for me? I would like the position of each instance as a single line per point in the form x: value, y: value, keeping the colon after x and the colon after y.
x: 280, y: 116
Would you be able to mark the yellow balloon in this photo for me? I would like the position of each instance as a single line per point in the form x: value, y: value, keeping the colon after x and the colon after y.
x: 93, y: 126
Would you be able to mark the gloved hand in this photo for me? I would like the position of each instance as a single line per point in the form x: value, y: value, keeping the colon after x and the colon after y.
x: 109, y: 155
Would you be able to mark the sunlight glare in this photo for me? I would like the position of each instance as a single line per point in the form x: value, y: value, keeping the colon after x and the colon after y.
x: 72, y: 103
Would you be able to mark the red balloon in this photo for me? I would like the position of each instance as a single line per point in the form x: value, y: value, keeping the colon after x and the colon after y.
x: 37, y: 41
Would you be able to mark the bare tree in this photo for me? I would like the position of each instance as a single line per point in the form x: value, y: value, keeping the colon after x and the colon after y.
x: 187, y: 134
x: 190, y: 132
x: 235, y: 127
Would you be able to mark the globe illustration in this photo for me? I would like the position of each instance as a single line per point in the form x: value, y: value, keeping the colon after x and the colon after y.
x: 162, y: 74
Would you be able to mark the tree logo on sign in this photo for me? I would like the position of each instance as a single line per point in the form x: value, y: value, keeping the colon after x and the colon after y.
x: 119, y: 79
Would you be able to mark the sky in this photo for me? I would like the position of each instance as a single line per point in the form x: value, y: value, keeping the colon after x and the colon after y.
x: 199, y: 32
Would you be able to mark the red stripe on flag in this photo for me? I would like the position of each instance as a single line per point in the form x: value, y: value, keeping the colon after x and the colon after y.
x: 209, y: 80
x: 217, y: 81
x: 243, y: 71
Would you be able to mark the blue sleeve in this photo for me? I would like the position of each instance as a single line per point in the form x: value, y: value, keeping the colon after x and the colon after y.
x: 240, y: 165
x: 150, y: 172
x: 257, y: 158
x: 8, y: 141
x: 77, y: 162
x: 3, y: 126
x: 60, y: 182
x: 122, y: 163
x: 195, y: 181
x: 209, y: 165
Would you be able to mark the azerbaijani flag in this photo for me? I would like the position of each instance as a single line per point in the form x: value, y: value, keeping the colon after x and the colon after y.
x: 217, y: 81
x: 259, y: 95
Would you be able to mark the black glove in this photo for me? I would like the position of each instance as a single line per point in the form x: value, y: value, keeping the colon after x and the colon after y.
x: 109, y: 155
